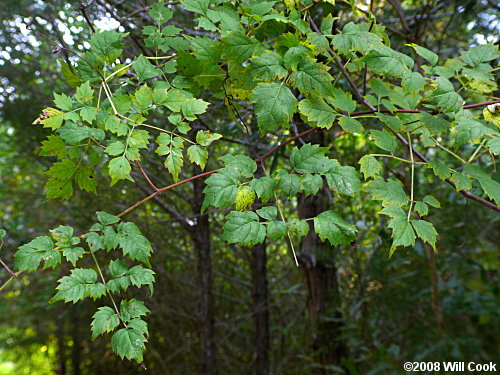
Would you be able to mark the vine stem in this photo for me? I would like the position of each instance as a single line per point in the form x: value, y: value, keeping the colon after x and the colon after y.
x: 400, y: 159
x: 287, y: 231
x: 9, y: 281
x: 12, y: 273
x: 477, y: 150
x: 153, y: 127
x: 412, y: 175
x: 448, y: 150
x: 107, y: 290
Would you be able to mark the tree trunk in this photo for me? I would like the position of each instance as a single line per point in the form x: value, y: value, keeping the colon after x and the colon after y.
x: 317, y: 261
x: 260, y: 310
x: 77, y: 347
x: 200, y: 235
x: 61, y: 347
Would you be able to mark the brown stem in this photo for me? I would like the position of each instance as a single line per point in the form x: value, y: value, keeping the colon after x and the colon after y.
x: 7, y: 268
x: 138, y: 165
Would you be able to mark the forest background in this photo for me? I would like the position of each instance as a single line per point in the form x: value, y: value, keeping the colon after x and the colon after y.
x: 230, y: 309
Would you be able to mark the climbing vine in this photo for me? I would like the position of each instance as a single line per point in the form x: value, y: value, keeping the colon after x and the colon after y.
x: 273, y: 59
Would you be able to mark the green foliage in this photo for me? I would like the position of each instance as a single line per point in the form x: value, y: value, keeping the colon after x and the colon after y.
x: 83, y: 283
x: 264, y: 60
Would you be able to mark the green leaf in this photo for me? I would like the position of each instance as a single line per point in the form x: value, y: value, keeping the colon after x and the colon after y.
x: 342, y: 101
x: 143, y: 97
x: 221, y: 188
x: 490, y: 186
x: 267, y: 67
x: 344, y: 180
x: 107, y: 44
x: 310, y: 159
x: 115, y: 148
x: 238, y: 47
x: 205, y: 137
x: 94, y: 240
x: 312, y: 78
x: 311, y: 184
x: 160, y: 13
x: 445, y: 96
x: 413, y: 82
x: 88, y: 114
x: 275, y: 105
x: 431, y: 201
x: 63, y: 102
x: 439, y: 169
x: 113, y: 124
x: 295, y: 55
x: 268, y: 212
x: 174, y: 100
x: 140, y: 276
x: 469, y: 130
x: 351, y: 125
x: 370, y: 166
x: 243, y: 228
x: 63, y: 236
x: 393, y: 122
x: 421, y: 208
x: 106, y: 219
x: 75, y: 287
x: 494, y: 145
x: 62, y: 170
x: 198, y: 154
x: 174, y: 162
x: 62, y: 189
x: 330, y: 226
x: 85, y: 178
x: 425, y: 231
x: 387, y: 62
x: 206, y: 49
x: 389, y: 192
x: 461, y: 181
x: 352, y: 38
x: 144, y: 69
x: 433, y: 123
x: 104, y: 320
x: 276, y: 230
x: 384, y: 140
x: 298, y: 227
x: 72, y: 254
x: 29, y: 256
x: 426, y: 54
x: 84, y: 93
x: 133, y: 243
x: 129, y: 343
x: 480, y: 54
x: 317, y: 112
x: 289, y: 184
x: 50, y: 118
x: 245, y: 165
x: 264, y: 187
x: 53, y: 146
x: 402, y: 233
x: 119, y: 169
x: 132, y: 309
x: 192, y: 107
